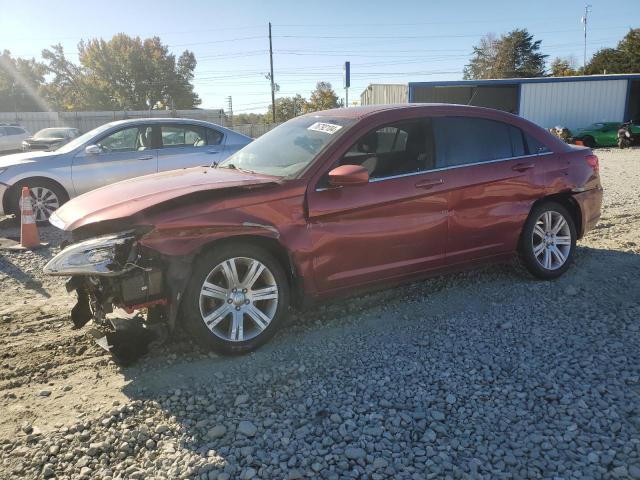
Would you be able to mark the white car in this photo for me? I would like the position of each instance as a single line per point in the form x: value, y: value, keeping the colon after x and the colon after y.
x: 12, y: 136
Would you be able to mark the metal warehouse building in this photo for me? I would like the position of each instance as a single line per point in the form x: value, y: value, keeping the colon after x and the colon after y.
x: 549, y: 101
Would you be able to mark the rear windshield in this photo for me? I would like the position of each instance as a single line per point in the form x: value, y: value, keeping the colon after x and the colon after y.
x: 288, y: 149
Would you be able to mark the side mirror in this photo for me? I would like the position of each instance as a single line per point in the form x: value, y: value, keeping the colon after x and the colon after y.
x: 92, y: 150
x: 348, y: 175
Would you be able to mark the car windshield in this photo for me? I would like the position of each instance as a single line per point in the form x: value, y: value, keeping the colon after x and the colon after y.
x: 52, y: 133
x: 288, y: 149
x: 73, y: 144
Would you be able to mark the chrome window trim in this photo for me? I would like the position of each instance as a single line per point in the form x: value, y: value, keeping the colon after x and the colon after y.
x: 422, y: 172
x: 374, y: 180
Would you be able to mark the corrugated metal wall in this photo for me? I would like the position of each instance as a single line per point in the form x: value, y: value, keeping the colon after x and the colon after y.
x: 573, y: 104
x: 377, y: 94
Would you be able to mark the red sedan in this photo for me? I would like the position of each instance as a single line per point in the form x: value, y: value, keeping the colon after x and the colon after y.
x: 325, y: 204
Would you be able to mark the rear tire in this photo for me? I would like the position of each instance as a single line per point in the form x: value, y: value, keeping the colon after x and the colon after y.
x: 589, y: 141
x: 548, y: 241
x: 237, y: 298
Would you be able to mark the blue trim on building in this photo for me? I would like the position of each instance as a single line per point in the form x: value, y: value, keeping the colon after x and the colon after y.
x: 520, y: 81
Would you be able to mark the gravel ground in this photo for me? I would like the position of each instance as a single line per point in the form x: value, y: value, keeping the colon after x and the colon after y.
x: 483, y: 374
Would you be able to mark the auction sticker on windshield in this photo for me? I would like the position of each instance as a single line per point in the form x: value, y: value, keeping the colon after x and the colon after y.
x: 329, y: 128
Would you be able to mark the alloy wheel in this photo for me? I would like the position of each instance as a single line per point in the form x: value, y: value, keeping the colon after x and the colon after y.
x: 551, y: 240
x: 44, y: 202
x: 238, y: 299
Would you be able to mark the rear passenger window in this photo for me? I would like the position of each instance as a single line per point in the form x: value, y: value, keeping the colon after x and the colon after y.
x: 465, y: 140
x: 214, y: 137
x: 183, y: 136
x: 13, y: 131
x: 534, y: 146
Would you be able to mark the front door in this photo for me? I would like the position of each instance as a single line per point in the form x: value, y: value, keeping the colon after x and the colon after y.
x: 125, y: 153
x: 391, y: 227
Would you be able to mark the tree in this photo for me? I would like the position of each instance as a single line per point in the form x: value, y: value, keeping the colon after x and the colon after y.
x: 483, y: 63
x: 21, y: 84
x: 123, y: 73
x: 514, y: 55
x: 606, y: 60
x: 625, y: 58
x: 563, y: 67
x: 288, y: 107
x: 322, y: 98
x: 248, y: 118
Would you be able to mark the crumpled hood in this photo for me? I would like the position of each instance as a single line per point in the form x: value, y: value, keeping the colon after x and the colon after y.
x: 21, y: 158
x: 126, y: 198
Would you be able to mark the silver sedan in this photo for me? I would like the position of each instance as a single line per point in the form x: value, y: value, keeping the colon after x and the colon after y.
x: 110, y: 153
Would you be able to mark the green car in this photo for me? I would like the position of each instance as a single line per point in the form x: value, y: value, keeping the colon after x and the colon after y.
x: 601, y: 134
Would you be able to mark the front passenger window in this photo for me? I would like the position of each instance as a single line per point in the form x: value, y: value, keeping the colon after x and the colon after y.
x: 395, y: 149
x: 127, y: 140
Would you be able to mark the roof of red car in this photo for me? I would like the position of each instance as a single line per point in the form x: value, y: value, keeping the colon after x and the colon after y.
x: 363, y: 111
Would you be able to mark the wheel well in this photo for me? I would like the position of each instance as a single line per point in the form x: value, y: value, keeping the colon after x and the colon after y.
x: 274, y: 247
x: 568, y: 202
x: 6, y: 201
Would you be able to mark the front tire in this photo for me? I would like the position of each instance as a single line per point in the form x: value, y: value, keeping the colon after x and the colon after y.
x: 548, y: 241
x: 237, y: 298
x: 46, y: 197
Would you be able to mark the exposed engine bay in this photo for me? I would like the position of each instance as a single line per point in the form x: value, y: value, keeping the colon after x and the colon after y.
x: 122, y: 287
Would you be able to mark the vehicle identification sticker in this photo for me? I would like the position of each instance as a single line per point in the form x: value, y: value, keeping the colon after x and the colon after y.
x: 329, y: 128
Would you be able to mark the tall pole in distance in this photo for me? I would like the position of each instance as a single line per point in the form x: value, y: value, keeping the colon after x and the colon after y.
x: 587, y: 9
x: 273, y: 87
x: 230, y: 108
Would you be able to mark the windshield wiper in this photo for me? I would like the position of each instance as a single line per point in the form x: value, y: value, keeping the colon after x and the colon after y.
x: 233, y: 167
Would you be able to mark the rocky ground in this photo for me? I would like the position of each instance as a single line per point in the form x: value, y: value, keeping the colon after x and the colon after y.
x: 483, y: 374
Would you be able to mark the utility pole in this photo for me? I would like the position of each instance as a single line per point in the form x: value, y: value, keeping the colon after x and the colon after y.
x: 230, y: 109
x: 273, y: 87
x: 347, y: 82
x: 587, y: 9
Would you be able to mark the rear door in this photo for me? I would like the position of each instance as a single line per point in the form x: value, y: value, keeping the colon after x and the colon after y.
x: 495, y: 179
x: 185, y: 145
x: 392, y: 227
x: 125, y: 153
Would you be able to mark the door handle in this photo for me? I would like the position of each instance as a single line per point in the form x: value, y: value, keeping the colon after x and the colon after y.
x: 149, y: 157
x: 212, y: 152
x: 522, y: 167
x: 429, y: 183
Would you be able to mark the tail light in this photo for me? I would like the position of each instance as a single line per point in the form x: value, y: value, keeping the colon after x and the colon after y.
x: 593, y: 161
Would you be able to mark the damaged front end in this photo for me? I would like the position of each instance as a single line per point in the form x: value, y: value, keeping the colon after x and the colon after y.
x: 112, y: 272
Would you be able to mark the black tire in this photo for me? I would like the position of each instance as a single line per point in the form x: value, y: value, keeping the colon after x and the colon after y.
x: 15, y: 193
x: 191, y: 313
x: 589, y: 141
x: 526, y: 248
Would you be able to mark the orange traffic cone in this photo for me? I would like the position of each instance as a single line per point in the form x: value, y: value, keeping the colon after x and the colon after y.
x: 29, y: 237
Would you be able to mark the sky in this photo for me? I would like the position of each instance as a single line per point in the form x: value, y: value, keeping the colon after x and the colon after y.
x: 386, y: 42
